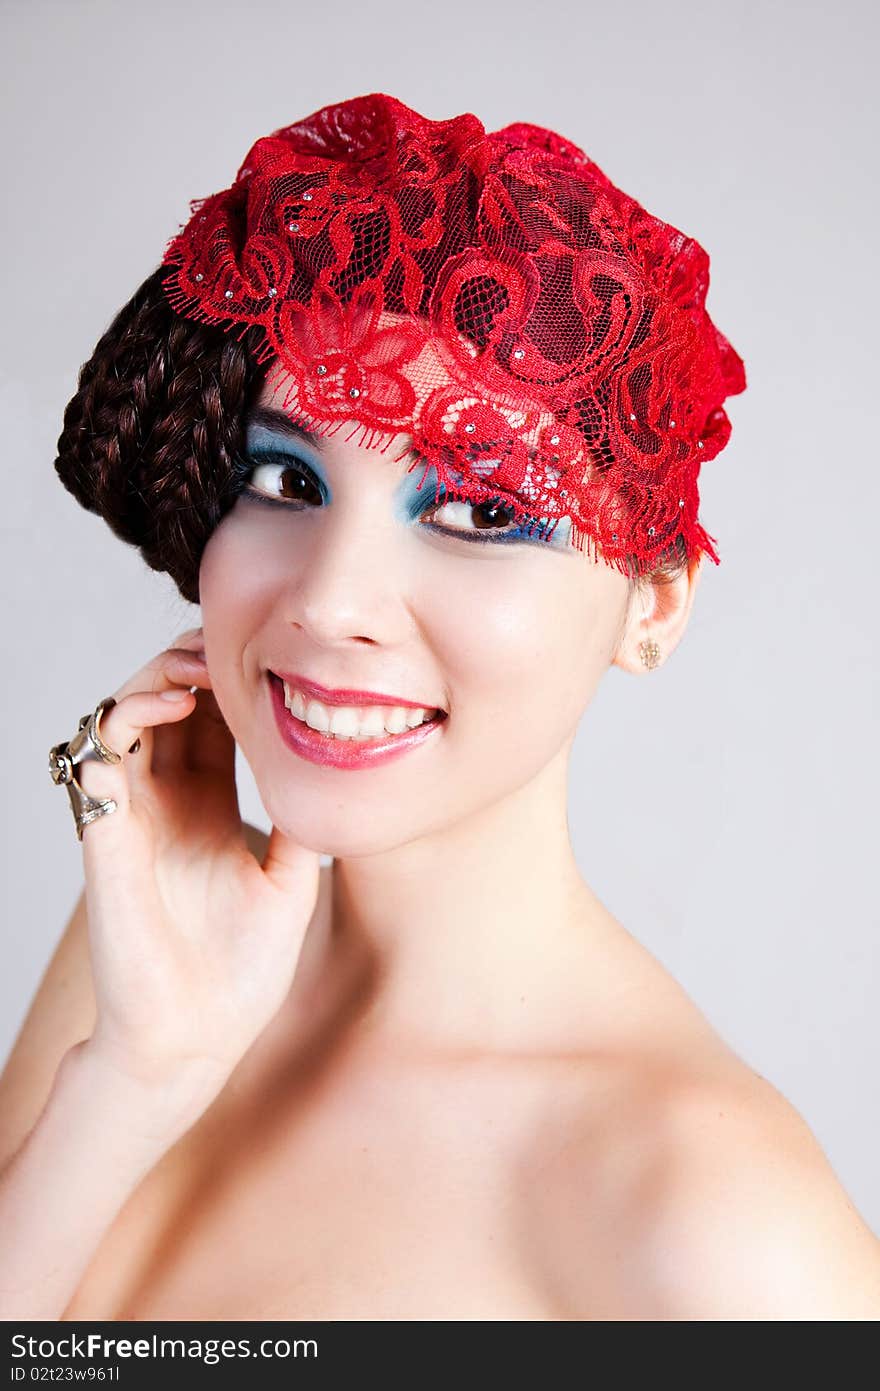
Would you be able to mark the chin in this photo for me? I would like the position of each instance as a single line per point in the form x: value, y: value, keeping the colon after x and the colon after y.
x: 342, y: 830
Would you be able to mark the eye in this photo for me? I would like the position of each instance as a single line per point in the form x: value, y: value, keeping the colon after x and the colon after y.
x: 493, y: 520
x: 280, y: 479
x: 489, y: 516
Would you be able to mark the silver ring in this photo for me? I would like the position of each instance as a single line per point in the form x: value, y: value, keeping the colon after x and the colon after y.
x: 85, y: 745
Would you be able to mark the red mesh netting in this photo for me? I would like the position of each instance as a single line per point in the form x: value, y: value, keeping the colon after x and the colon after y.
x: 538, y: 335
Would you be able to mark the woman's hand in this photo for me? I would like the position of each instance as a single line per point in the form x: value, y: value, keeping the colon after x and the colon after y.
x: 193, y: 942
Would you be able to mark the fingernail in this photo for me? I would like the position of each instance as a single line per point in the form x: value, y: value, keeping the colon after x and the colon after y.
x: 173, y: 695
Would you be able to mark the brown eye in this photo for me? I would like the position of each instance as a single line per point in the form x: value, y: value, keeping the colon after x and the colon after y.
x: 469, y: 516
x: 492, y: 514
x: 284, y: 482
x: 298, y: 486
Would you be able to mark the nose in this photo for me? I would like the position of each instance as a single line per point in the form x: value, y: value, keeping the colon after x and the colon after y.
x: 352, y: 583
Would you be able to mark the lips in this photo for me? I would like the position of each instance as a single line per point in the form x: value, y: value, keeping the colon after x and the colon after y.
x: 316, y: 747
x: 329, y: 695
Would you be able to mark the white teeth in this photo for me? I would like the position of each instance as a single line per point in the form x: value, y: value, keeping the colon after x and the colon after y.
x: 395, y: 723
x: 371, y: 722
x: 343, y: 722
x: 317, y: 716
x: 353, y: 722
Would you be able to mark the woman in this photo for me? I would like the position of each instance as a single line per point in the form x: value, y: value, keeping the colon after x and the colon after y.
x: 435, y: 1078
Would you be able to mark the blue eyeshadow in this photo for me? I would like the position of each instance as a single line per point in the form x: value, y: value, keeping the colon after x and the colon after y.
x: 411, y: 500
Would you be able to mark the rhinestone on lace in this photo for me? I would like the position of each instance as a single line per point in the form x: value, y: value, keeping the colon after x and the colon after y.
x: 699, y: 444
x: 229, y: 294
x: 354, y: 391
x: 199, y: 275
x: 272, y: 290
x: 519, y: 352
x: 554, y: 439
x: 470, y: 427
x: 307, y: 198
x: 293, y: 226
x: 321, y: 370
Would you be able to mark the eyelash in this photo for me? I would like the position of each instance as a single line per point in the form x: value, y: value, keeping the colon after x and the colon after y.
x: 535, y: 533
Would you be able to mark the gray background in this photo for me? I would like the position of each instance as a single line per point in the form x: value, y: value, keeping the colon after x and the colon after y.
x: 723, y: 807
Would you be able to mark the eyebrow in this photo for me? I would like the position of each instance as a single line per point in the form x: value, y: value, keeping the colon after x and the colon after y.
x: 282, y: 424
x: 279, y: 421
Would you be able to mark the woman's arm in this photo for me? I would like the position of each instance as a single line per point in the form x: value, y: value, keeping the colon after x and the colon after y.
x: 75, y: 1138
x: 97, y: 1137
x: 61, y: 1014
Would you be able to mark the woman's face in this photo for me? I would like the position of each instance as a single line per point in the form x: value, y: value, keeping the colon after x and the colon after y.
x: 360, y: 581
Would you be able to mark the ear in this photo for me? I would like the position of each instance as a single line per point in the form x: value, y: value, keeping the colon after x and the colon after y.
x: 658, y: 613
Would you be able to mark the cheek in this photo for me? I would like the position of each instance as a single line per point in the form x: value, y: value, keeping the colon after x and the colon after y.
x: 238, y: 598
x: 241, y: 569
x: 524, y: 648
x: 226, y: 589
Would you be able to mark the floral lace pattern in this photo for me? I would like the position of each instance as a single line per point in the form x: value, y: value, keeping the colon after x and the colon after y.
x: 539, y: 337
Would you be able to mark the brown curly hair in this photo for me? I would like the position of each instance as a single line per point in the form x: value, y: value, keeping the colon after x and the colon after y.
x: 152, y: 435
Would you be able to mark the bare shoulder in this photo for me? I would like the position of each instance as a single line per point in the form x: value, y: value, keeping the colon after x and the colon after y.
x: 710, y: 1198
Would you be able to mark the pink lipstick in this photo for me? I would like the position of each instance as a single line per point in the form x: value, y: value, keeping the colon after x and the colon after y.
x: 337, y: 696
x: 316, y: 747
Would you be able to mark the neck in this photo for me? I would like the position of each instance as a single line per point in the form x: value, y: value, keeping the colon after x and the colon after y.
x: 479, y: 938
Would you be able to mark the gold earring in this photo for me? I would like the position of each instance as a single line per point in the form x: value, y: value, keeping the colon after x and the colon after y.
x: 649, y: 652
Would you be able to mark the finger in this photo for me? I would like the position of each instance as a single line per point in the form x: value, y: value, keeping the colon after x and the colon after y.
x: 132, y: 721
x: 153, y: 675
x: 203, y: 743
x: 184, y: 668
x: 127, y: 728
x: 134, y: 717
x: 170, y: 754
x: 172, y: 667
x: 188, y: 638
x: 178, y: 670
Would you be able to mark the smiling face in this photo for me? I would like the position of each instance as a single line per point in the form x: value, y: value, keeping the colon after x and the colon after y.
x: 354, y: 577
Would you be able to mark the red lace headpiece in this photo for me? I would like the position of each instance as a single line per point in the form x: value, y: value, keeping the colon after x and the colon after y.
x: 540, y: 337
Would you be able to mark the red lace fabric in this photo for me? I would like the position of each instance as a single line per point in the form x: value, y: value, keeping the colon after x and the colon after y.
x: 540, y: 338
